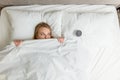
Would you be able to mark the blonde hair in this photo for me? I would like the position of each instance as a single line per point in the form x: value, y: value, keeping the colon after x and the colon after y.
x: 41, y: 25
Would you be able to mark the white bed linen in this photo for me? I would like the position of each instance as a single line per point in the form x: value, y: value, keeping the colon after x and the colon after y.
x: 92, y: 62
x: 5, y: 36
x: 43, y: 60
x: 50, y: 60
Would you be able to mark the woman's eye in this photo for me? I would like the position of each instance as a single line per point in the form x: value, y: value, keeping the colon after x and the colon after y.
x: 49, y: 34
x: 41, y: 34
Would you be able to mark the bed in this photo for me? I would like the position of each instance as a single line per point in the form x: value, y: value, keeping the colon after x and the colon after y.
x: 94, y: 55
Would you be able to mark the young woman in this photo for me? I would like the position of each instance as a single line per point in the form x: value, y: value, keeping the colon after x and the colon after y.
x: 42, y: 31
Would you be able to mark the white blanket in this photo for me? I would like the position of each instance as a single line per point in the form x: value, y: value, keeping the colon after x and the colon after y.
x: 41, y: 60
x: 50, y: 60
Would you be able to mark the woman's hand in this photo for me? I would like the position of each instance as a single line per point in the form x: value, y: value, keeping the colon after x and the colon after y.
x: 60, y: 39
x: 17, y: 42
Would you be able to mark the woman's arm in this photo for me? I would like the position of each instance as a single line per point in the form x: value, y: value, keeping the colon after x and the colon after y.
x: 17, y: 42
x: 60, y: 39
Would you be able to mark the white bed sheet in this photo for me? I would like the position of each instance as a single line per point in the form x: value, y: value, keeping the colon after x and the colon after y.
x: 71, y: 60
x: 41, y: 60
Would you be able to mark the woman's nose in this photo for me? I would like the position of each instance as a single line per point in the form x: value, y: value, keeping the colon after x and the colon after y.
x: 46, y: 37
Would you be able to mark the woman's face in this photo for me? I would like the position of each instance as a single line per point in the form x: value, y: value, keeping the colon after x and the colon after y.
x: 44, y: 33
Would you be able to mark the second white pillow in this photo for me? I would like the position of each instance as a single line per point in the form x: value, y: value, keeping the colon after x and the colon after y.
x: 23, y: 23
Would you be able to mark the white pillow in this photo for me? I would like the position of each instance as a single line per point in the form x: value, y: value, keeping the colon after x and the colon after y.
x: 98, y: 29
x: 24, y: 22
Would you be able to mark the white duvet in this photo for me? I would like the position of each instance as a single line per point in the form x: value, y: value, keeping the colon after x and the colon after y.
x: 50, y: 60
x: 42, y: 60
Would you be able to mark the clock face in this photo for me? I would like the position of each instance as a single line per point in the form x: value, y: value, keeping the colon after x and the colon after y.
x: 78, y: 33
